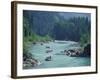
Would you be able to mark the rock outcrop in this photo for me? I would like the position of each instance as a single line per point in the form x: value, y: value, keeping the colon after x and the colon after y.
x: 73, y: 52
x: 29, y: 60
x: 85, y: 52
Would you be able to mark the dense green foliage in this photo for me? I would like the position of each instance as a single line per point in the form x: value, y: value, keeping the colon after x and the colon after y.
x: 85, y: 39
x: 75, y: 29
x: 45, y: 26
x: 30, y: 37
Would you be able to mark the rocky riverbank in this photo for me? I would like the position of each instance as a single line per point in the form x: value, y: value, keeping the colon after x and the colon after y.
x: 79, y: 52
x: 29, y: 60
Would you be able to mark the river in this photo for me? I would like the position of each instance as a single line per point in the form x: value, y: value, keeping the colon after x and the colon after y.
x: 40, y: 53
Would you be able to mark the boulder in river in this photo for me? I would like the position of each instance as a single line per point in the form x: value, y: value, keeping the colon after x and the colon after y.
x: 34, y: 43
x: 48, y: 58
x: 85, y: 52
x: 73, y: 52
x: 47, y: 46
x: 48, y: 51
x: 41, y: 43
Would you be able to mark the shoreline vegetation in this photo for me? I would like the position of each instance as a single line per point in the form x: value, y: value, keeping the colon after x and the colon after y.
x: 44, y: 27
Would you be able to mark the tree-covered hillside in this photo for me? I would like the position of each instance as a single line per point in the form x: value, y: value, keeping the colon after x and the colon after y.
x: 57, y: 26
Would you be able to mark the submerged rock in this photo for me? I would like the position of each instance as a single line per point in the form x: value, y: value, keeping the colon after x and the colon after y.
x: 48, y: 58
x: 47, y: 46
x: 41, y: 43
x: 34, y: 43
x: 48, y: 51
